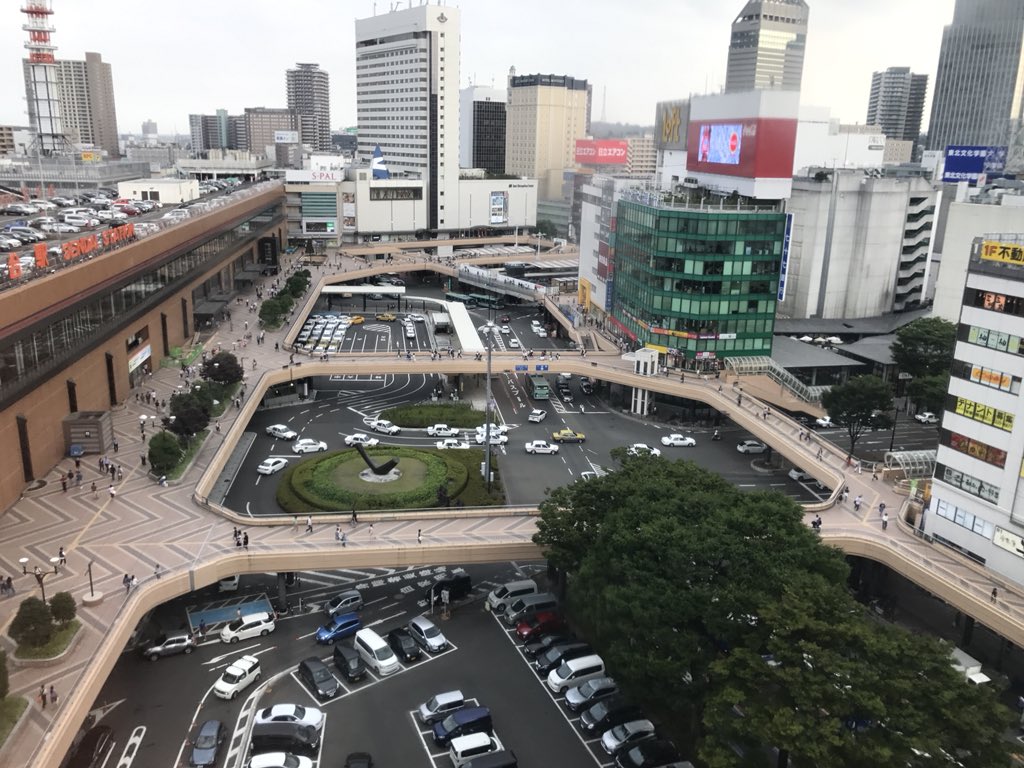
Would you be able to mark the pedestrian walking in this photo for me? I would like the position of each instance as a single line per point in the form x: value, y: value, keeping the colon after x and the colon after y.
x: 53, y: 696
x: 112, y: 491
x: 120, y: 472
x: 844, y: 495
x: 127, y: 582
x: 10, y: 587
x: 235, y: 533
x: 355, y: 518
x: 202, y: 627
x: 881, y: 509
x: 245, y: 541
x: 309, y: 523
x: 874, y: 472
x: 995, y: 594
x: 63, y: 483
x: 857, y: 502
x: 337, y: 532
x: 344, y: 538
x: 61, y: 557
x: 117, y: 447
x: 42, y: 696
x: 134, y: 582
x: 419, y: 535
x: 371, y: 529
x: 885, y: 520
x: 820, y: 451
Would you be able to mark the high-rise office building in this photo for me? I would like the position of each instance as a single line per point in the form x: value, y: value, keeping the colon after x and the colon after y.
x: 979, y: 84
x: 261, y: 123
x: 482, y: 128
x: 218, y: 131
x: 85, y: 91
x: 766, y: 49
x: 544, y: 116
x: 149, y: 127
x: 309, y: 95
x: 897, y: 102
x: 407, y: 100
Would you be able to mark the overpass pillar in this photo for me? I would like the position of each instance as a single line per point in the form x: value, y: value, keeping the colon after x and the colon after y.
x: 645, y: 363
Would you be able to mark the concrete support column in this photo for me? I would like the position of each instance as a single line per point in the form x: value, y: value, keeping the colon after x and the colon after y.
x: 640, y: 402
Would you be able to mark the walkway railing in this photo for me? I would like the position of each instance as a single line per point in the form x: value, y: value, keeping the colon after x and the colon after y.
x: 765, y: 366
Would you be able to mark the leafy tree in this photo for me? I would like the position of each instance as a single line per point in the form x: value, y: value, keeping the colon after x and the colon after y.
x: 547, y: 228
x: 929, y: 392
x: 223, y: 368
x: 925, y: 347
x: 62, y: 606
x: 5, y: 682
x: 191, y: 412
x: 33, y: 624
x: 271, y: 311
x: 164, y: 452
x: 854, y: 404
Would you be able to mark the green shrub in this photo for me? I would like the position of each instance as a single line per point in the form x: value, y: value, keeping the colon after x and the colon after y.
x: 62, y: 606
x: 164, y: 452
x: 5, y: 682
x: 33, y: 624
x: 426, y: 414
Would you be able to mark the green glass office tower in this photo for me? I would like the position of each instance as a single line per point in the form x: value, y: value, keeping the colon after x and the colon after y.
x: 698, y: 282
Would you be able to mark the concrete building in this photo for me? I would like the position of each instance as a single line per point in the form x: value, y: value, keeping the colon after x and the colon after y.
x: 641, y: 156
x: 262, y: 123
x: 598, y: 197
x: 898, y: 152
x: 168, y: 191
x: 766, y: 48
x: 977, y: 499
x: 149, y: 128
x: 545, y: 116
x: 896, y: 102
x: 671, y: 123
x: 217, y: 131
x: 860, y: 245
x: 414, y: 120
x: 482, y: 128
x: 85, y: 91
x: 161, y: 156
x: 823, y: 142
x: 979, y: 83
x: 309, y: 96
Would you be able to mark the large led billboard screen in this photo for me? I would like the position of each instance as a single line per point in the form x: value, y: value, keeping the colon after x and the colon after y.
x: 750, y: 148
x: 720, y: 143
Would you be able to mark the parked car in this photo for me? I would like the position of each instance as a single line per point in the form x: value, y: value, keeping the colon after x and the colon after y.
x: 403, y: 644
x: 556, y: 654
x: 541, y: 446
x: 383, y: 425
x: 306, y: 445
x: 499, y: 598
x: 642, y: 449
x: 461, y: 722
x: 279, y: 760
x: 751, y: 446
x: 592, y: 691
x: 315, y: 674
x: 291, y: 713
x: 442, y: 430
x: 568, y: 436
x: 207, y: 743
x: 650, y: 753
x: 607, y: 714
x: 927, y: 417
x: 536, y: 646
x: 427, y: 635
x: 349, y: 662
x: 361, y: 438
x: 439, y: 706
x: 341, y: 626
x: 626, y: 735
x: 359, y: 760
x: 272, y: 465
x: 539, y: 624
x: 679, y: 441
x: 281, y: 432
x: 169, y: 645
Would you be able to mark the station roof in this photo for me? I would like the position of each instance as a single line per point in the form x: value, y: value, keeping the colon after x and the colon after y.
x: 790, y: 353
x: 865, y: 326
x: 877, y: 349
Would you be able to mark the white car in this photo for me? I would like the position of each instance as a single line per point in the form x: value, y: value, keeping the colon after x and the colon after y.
x: 492, y: 427
x: 505, y: 330
x: 541, y: 446
x: 751, y: 446
x: 306, y: 445
x: 59, y: 229
x: 442, y: 430
x: 111, y: 215
x: 927, y: 417
x: 513, y: 344
x: 360, y: 438
x: 290, y: 713
x: 537, y: 415
x: 239, y: 675
x: 451, y: 443
x: 639, y: 449
x: 281, y: 432
x: 496, y: 439
x: 680, y: 441
x: 279, y: 760
x: 416, y: 318
x: 626, y: 734
x: 825, y: 422
x: 799, y: 475
x: 385, y: 426
x: 272, y: 465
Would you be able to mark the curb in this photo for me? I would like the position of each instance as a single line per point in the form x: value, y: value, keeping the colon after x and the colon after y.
x: 19, y: 726
x: 53, y: 660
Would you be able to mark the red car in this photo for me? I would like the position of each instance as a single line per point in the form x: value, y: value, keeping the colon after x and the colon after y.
x: 545, y: 621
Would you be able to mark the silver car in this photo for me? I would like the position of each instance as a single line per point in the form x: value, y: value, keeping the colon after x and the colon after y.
x: 426, y: 634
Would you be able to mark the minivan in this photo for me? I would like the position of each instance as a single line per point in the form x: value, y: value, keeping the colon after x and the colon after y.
x: 439, y: 706
x: 462, y: 722
x: 315, y: 674
x: 349, y: 662
x: 252, y: 625
x: 376, y: 653
x: 239, y: 675
x: 498, y: 600
x: 575, y: 672
x: 346, y: 602
x: 529, y: 605
x: 465, y: 748
x: 285, y: 737
x: 459, y: 585
x: 504, y: 759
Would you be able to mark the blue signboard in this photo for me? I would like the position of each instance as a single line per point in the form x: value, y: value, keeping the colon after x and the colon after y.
x: 522, y: 367
x: 541, y: 368
x: 784, y: 262
x: 964, y: 163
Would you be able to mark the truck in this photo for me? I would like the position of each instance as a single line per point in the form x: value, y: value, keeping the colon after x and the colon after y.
x: 969, y: 667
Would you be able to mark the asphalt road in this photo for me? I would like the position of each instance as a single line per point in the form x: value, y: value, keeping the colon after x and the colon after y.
x: 909, y: 435
x: 169, y: 699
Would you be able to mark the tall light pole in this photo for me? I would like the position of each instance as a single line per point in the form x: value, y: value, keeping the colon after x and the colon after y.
x: 487, y: 417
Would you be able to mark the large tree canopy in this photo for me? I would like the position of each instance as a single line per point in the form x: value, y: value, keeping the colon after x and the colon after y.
x: 861, y: 403
x: 925, y: 347
x: 722, y: 612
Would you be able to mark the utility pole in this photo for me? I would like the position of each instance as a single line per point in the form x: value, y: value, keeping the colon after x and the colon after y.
x: 487, y: 416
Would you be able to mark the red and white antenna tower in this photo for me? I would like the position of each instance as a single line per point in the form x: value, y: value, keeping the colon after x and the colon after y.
x: 41, y: 67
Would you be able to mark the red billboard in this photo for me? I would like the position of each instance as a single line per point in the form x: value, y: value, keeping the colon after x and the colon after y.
x: 601, y: 151
x: 750, y: 148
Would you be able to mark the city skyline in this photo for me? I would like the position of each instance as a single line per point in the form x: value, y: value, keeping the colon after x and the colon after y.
x: 684, y: 52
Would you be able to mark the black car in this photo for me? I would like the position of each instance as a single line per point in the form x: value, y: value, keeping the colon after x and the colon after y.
x: 565, y: 393
x: 92, y: 751
x: 554, y: 656
x: 315, y: 674
x: 285, y: 737
x: 609, y: 713
x: 652, y: 752
x: 545, y: 641
x: 459, y: 585
x: 403, y: 645
x: 359, y: 760
x: 349, y: 663
x: 587, y: 388
x: 207, y: 743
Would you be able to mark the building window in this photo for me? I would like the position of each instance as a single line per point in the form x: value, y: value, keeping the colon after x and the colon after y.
x: 986, y: 414
x: 986, y: 376
x: 964, y: 518
x: 983, y: 337
x: 994, y: 302
x: 965, y: 482
x: 974, y: 448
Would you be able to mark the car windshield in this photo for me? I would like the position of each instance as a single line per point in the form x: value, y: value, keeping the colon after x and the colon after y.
x: 620, y: 732
x: 207, y: 740
x: 432, y: 704
x: 431, y: 631
x: 563, y: 671
x: 290, y: 761
x: 319, y: 675
x: 599, y: 711
x: 448, y: 723
x: 500, y: 592
x: 230, y: 677
x: 235, y: 625
x: 588, y: 688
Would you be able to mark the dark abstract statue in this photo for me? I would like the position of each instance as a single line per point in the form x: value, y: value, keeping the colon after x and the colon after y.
x: 383, y: 469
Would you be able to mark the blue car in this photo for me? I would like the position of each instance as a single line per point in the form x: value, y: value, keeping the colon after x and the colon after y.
x: 340, y: 626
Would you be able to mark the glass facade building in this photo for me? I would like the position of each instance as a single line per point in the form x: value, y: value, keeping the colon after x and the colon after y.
x: 766, y: 49
x: 698, y: 283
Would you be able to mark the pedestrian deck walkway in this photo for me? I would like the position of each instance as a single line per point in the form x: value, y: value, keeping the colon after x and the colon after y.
x: 148, y: 529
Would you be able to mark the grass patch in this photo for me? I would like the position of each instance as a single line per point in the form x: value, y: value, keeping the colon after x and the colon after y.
x: 10, y: 712
x: 187, y: 455
x: 426, y: 414
x: 58, y: 643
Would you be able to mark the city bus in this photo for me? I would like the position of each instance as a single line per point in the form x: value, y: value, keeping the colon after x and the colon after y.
x: 537, y: 387
x: 464, y: 298
x: 487, y: 302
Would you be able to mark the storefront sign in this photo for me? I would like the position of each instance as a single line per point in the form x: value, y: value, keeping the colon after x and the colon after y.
x: 141, y: 355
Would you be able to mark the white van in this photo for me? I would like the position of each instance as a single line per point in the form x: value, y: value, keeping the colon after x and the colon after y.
x: 377, y: 654
x: 252, y: 625
x: 575, y: 672
x: 465, y: 748
x: 239, y: 675
x: 499, y: 599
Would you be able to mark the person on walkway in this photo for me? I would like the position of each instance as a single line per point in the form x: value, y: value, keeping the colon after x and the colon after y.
x: 995, y: 594
x: 245, y: 541
x: 61, y: 557
x: 309, y: 523
x: 202, y: 627
x: 53, y: 696
x: 857, y: 502
x: 874, y: 472
x: 371, y: 529
x: 42, y: 696
x: 10, y: 587
x: 127, y: 581
x: 337, y: 532
x: 820, y: 452
x: 881, y: 509
x: 235, y: 533
x: 344, y: 538
x: 63, y: 483
x: 134, y: 582
x: 355, y: 518
x: 419, y: 535
x: 885, y: 520
x: 116, y: 445
x: 112, y: 491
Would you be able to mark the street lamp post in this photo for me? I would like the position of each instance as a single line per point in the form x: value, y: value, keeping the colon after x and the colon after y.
x: 892, y: 437
x: 88, y: 569
x: 487, y: 417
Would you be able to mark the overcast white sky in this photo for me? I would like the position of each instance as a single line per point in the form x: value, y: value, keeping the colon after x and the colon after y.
x: 170, y: 59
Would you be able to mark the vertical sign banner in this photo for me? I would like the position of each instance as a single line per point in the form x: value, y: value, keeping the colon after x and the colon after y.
x: 499, y: 208
x: 784, y: 262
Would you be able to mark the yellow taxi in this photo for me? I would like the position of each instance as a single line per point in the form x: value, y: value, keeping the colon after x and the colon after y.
x: 387, y: 317
x: 568, y: 436
x: 357, y: 319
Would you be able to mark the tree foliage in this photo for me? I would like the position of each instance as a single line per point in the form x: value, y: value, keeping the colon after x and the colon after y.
x: 164, y: 452
x: 855, y: 403
x: 33, y: 624
x: 222, y: 368
x: 722, y: 612
x: 928, y: 393
x: 271, y: 311
x: 5, y: 681
x: 547, y: 228
x: 191, y: 412
x: 62, y: 606
x: 925, y: 347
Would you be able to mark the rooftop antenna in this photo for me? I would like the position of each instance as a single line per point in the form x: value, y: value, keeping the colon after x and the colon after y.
x: 43, y: 105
